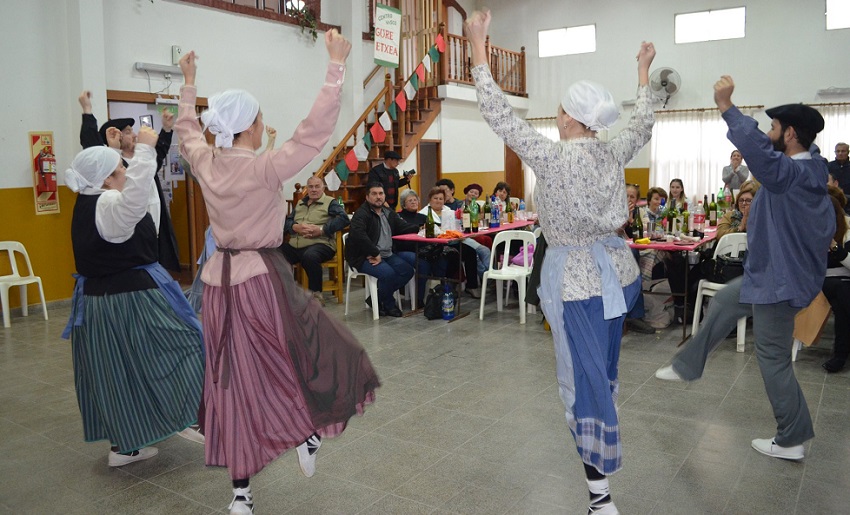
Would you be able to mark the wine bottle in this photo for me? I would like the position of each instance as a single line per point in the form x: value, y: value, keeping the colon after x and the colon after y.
x: 473, y: 215
x: 637, y: 225
x: 509, y: 211
x: 712, y: 212
x: 685, y: 218
x: 487, y: 213
x: 429, y: 224
x: 466, y: 219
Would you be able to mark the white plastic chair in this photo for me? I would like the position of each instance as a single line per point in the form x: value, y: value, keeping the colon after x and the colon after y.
x: 508, y: 271
x: 371, y: 289
x: 733, y: 244
x: 16, y: 279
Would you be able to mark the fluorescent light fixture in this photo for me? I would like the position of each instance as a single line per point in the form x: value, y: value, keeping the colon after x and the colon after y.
x: 158, y: 68
x: 832, y: 90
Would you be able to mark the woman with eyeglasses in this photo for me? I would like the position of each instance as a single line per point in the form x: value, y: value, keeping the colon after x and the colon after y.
x: 736, y: 219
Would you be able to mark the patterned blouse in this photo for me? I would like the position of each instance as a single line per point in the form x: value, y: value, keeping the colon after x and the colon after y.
x: 580, y: 190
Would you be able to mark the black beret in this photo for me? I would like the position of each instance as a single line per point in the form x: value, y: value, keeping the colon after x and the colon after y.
x: 473, y: 186
x: 392, y: 154
x: 118, y: 123
x: 799, y: 116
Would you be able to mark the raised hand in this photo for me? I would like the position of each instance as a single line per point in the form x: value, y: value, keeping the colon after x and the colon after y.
x: 167, y: 120
x: 338, y: 47
x: 723, y: 89
x: 646, y: 54
x: 85, y: 101
x: 477, y: 26
x: 113, y: 138
x: 147, y: 136
x: 189, y: 67
x: 272, y: 135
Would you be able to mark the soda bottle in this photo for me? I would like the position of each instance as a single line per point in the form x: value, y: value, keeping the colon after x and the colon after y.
x: 448, y: 303
x: 699, y: 220
x: 341, y: 203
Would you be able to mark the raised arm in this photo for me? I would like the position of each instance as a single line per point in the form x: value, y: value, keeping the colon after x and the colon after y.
x: 193, y: 145
x: 530, y: 145
x: 89, y: 137
x: 630, y: 140
x: 118, y: 211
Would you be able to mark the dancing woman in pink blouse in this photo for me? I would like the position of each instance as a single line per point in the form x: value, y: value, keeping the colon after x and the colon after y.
x: 280, y: 372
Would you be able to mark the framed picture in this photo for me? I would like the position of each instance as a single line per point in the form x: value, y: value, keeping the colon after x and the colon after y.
x: 146, y: 120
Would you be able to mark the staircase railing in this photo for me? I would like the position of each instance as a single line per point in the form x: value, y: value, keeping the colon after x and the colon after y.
x: 507, y: 66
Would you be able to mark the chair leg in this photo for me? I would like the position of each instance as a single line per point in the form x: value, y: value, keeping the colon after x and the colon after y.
x: 520, y: 287
x: 4, y: 300
x: 795, y: 348
x: 483, y: 294
x: 372, y: 283
x: 499, y: 300
x: 43, y: 304
x: 347, y: 291
x: 22, y: 291
x: 742, y: 329
x: 697, y: 311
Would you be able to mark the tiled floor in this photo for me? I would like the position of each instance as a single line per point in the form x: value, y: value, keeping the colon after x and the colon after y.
x: 468, y: 421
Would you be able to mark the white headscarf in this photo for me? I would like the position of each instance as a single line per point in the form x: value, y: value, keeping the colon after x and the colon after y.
x: 90, y: 168
x: 591, y: 104
x: 230, y: 112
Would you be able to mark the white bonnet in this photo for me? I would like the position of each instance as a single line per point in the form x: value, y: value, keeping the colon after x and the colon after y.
x: 230, y: 113
x: 591, y: 104
x: 91, y: 167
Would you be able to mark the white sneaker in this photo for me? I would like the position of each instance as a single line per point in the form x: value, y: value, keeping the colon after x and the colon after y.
x: 668, y: 374
x: 242, y: 503
x: 605, y: 509
x: 306, y: 460
x: 193, y: 433
x: 119, y: 460
x: 768, y: 447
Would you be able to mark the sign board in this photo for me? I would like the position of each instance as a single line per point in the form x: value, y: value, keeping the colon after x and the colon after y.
x: 387, y: 35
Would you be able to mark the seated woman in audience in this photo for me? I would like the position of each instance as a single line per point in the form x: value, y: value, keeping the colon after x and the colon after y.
x: 502, y: 190
x: 836, y: 284
x: 410, y: 208
x: 735, y: 175
x: 444, y: 217
x: 736, y: 219
x: 653, y: 203
x: 677, y: 194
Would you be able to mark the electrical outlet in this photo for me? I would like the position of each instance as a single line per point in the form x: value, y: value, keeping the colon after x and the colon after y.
x: 176, y: 54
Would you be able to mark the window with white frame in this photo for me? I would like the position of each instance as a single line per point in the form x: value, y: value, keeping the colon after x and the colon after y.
x: 711, y: 25
x: 837, y: 14
x: 567, y: 41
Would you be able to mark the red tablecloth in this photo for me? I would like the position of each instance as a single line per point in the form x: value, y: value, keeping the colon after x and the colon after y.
x: 678, y: 246
x: 504, y: 227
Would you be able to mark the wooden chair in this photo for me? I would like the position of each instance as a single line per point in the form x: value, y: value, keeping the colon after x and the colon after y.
x: 335, y: 280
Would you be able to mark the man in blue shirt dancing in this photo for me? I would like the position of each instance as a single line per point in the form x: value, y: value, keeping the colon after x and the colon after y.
x: 785, y: 266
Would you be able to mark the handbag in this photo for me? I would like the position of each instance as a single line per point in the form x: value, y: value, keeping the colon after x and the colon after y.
x: 727, y: 267
x: 430, y: 252
x: 433, y: 308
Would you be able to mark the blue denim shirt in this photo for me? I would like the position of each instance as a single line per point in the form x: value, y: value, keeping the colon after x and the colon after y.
x: 791, y: 220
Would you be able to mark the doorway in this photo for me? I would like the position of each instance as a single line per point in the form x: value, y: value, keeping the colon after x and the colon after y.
x: 429, y: 165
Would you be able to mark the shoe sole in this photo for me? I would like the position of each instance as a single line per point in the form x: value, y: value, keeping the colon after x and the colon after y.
x: 120, y: 461
x: 192, y: 435
x: 304, y: 456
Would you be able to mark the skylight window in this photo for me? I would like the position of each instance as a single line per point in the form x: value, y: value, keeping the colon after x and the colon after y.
x: 711, y: 25
x: 837, y: 14
x: 571, y: 40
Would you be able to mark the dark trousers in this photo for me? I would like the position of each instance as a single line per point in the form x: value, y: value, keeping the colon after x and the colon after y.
x: 837, y: 292
x: 392, y: 272
x: 311, y: 259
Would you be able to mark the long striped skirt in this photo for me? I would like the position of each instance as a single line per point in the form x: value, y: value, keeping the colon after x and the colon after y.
x: 292, y: 370
x: 138, y: 369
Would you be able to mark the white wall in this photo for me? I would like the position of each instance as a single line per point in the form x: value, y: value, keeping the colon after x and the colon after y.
x: 786, y: 56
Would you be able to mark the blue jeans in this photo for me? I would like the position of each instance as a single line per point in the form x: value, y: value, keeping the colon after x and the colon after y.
x: 392, y: 272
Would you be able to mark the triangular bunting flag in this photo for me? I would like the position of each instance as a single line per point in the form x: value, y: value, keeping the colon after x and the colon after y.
x: 434, y: 54
x: 440, y: 42
x: 341, y: 170
x: 420, y: 72
x: 410, y: 91
x: 415, y: 81
x: 401, y: 100
x: 361, y: 151
x: 385, y: 121
x: 393, y: 110
x: 332, y: 181
x: 426, y: 62
x: 378, y: 133
x: 367, y: 140
x: 351, y: 160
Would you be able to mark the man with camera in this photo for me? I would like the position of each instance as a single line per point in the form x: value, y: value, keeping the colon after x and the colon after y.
x: 387, y: 174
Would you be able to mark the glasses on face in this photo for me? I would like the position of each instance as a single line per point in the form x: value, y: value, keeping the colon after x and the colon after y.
x: 745, y: 201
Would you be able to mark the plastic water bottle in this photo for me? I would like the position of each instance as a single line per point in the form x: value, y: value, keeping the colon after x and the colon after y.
x: 521, y: 211
x: 448, y: 303
x: 495, y: 212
